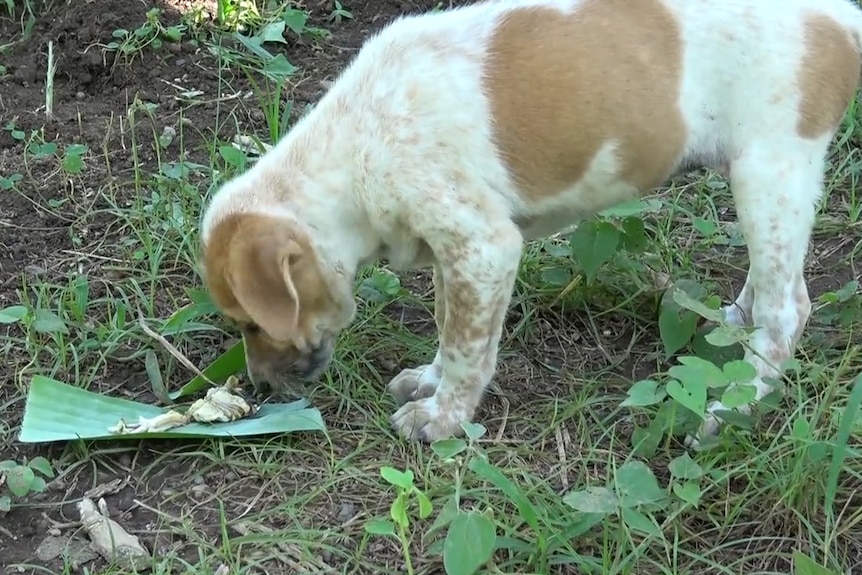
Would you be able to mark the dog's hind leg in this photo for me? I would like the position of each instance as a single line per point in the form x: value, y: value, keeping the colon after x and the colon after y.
x: 776, y: 185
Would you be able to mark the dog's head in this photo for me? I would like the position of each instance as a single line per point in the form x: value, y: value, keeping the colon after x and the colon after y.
x: 264, y: 274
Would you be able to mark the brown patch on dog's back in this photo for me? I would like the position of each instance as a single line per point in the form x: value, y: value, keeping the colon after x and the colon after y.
x: 828, y: 75
x: 562, y: 85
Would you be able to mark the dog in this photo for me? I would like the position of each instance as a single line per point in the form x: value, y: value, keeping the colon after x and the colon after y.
x: 453, y: 137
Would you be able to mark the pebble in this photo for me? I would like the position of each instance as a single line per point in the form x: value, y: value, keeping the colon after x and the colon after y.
x: 346, y: 512
x: 180, y: 62
x: 80, y: 95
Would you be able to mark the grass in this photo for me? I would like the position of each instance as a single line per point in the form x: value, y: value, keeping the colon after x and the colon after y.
x: 572, y: 469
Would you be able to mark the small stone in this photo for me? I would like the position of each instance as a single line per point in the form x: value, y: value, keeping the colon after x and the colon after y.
x: 54, y: 532
x: 35, y: 270
x: 180, y: 62
x: 346, y: 512
x: 80, y: 95
x: 50, y: 548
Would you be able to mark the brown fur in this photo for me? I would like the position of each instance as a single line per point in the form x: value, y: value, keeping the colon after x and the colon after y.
x: 548, y: 76
x: 828, y: 75
x: 261, y: 273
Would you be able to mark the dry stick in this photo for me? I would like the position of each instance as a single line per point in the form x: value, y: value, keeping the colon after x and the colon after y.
x: 171, y: 349
x: 49, y: 82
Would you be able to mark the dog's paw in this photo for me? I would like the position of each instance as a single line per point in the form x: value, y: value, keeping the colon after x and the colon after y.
x: 413, y: 384
x: 424, y: 420
x: 708, y: 428
x: 711, y: 424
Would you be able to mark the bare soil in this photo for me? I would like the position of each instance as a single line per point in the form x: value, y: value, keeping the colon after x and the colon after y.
x: 93, y: 92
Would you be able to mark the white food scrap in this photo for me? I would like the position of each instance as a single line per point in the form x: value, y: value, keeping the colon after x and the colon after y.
x: 109, y: 538
x: 159, y: 423
x: 221, y: 404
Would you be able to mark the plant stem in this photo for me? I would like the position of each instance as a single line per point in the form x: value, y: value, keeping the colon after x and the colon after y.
x: 405, y: 549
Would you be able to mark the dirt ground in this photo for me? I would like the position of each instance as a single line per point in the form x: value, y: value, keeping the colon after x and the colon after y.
x: 69, y: 225
x: 93, y: 92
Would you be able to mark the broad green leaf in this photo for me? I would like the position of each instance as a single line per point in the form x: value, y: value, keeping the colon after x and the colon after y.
x: 736, y: 419
x: 634, y: 237
x: 689, y: 492
x: 469, y: 543
x: 46, y: 321
x: 474, y: 431
x: 38, y: 485
x: 739, y: 371
x: 726, y: 335
x: 425, y: 506
x: 684, y: 467
x: 717, y: 355
x: 448, y: 448
x: 645, y: 440
x: 8, y: 464
x: 594, y: 243
x: 380, y: 527
x: 5, y: 503
x: 704, y: 226
x: 636, y: 484
x: 632, y: 208
x: 402, y: 479
x: 398, y: 511
x: 233, y: 156
x: 637, y: 521
x: 592, y: 500
x: 801, y: 429
x: 19, y: 479
x: 255, y: 46
x: 279, y: 68
x: 481, y: 467
x: 803, y: 565
x: 227, y: 364
x: 677, y: 325
x: 12, y: 314
x: 691, y: 395
x: 556, y: 276
x: 73, y: 164
x: 688, y: 302
x: 737, y: 395
x: 695, y: 370
x: 41, y: 465
x: 643, y: 393
x: 273, y: 32
x: 55, y: 411
x: 295, y: 19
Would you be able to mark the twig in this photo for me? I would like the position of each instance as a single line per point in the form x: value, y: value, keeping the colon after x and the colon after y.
x: 171, y: 349
x: 561, y: 452
x: 49, y: 82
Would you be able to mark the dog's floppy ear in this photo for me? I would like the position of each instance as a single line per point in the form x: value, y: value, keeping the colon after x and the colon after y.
x: 260, y: 269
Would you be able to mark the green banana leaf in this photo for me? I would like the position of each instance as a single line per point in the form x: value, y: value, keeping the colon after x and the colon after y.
x: 56, y: 411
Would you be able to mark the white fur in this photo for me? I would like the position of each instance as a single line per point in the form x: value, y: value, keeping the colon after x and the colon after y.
x: 399, y: 155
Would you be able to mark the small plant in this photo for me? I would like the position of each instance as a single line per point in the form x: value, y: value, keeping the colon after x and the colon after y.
x: 339, y: 13
x: 22, y: 479
x: 151, y: 33
x: 406, y: 492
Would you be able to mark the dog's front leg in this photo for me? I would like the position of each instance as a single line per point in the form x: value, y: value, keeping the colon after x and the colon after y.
x: 477, y: 276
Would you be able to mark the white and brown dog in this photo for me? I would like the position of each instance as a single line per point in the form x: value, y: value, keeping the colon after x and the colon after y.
x: 453, y: 137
